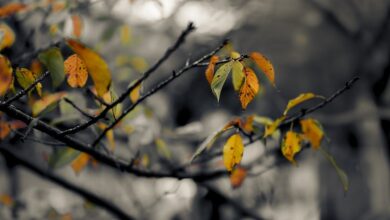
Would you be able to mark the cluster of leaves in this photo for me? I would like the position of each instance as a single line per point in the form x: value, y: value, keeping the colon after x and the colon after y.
x: 244, y: 79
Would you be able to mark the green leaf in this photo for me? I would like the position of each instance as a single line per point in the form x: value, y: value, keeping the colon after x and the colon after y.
x: 62, y: 157
x: 342, y: 175
x: 54, y: 62
x: 220, y: 78
x: 238, y: 75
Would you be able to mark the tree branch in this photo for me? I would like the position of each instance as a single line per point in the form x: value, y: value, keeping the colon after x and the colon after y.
x: 125, y: 94
x: 175, y: 74
x: 107, y: 205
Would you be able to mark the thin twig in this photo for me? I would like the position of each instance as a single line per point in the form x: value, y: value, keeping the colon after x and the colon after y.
x: 175, y: 74
x: 107, y: 205
x: 77, y: 108
x: 55, y: 144
x: 125, y: 94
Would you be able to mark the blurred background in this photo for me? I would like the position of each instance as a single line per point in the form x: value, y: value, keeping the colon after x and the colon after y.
x: 315, y: 46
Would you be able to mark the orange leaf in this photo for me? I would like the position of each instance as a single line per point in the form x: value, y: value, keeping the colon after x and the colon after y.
x: 11, y: 8
x: 97, y: 67
x: 5, y: 129
x: 80, y: 163
x: 77, y: 25
x: 291, y: 145
x: 135, y: 93
x: 76, y: 70
x: 6, y: 200
x: 265, y: 65
x: 249, y: 88
x: 248, y: 124
x: 233, y: 151
x: 210, y: 68
x: 8, y: 34
x: 313, y: 132
x: 36, y: 68
x: 6, y: 77
x: 237, y: 177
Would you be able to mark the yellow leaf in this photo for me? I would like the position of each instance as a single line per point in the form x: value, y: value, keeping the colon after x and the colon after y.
x: 238, y: 75
x: 271, y: 128
x: 109, y: 135
x: 76, y: 71
x: 233, y: 152
x: 11, y: 8
x: 97, y: 67
x: 77, y: 23
x: 312, y: 131
x: 247, y: 126
x: 265, y: 65
x: 250, y: 87
x: 162, y: 148
x: 110, y: 97
x: 210, y: 68
x: 235, y: 55
x: 125, y: 33
x: 40, y: 105
x: 6, y: 76
x: 135, y: 93
x: 80, y: 162
x: 237, y: 177
x: 298, y: 100
x: 8, y: 36
x: 25, y: 78
x: 291, y: 145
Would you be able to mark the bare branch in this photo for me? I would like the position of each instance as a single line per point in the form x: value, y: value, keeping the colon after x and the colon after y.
x: 107, y: 205
x: 125, y: 94
x: 175, y: 74
x: 77, y: 108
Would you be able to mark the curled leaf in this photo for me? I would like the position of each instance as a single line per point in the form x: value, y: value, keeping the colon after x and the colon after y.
x: 238, y: 75
x: 76, y: 71
x: 97, y: 67
x: 210, y: 68
x: 54, y: 62
x: 237, y: 177
x: 299, y: 99
x: 291, y: 145
x: 233, y: 151
x: 312, y: 131
x: 250, y: 87
x: 7, y: 38
x: 265, y: 65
